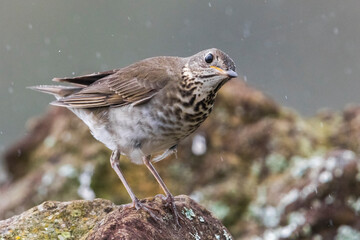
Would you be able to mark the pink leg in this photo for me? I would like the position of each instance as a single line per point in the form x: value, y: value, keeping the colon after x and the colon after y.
x: 114, y: 160
x: 169, y: 197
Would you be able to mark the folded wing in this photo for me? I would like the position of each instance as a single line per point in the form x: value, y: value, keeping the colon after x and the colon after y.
x: 134, y: 84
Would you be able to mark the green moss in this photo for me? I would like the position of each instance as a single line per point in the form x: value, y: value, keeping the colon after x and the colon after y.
x: 55, y: 220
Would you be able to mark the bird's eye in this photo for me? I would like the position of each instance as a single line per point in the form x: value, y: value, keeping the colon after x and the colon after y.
x: 209, y: 58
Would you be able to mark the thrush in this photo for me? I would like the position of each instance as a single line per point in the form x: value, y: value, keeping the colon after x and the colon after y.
x: 146, y: 108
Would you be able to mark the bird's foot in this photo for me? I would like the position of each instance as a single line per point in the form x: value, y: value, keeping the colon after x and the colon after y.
x: 170, y: 202
x: 139, y: 205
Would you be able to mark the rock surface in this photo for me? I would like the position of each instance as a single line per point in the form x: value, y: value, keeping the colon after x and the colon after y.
x: 101, y: 219
x: 263, y: 170
x: 56, y: 220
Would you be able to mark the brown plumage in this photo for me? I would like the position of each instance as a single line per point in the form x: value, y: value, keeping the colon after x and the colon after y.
x: 134, y: 84
x: 146, y: 107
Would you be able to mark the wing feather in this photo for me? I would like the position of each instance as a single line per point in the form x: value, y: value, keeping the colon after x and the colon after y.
x: 135, y: 84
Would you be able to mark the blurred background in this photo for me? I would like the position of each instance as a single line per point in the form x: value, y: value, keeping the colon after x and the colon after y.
x: 304, y: 54
x: 267, y: 168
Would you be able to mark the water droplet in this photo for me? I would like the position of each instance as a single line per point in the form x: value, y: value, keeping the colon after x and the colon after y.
x: 47, y: 40
x: 229, y: 11
x: 104, y: 67
x: 348, y: 71
x: 186, y: 22
x: 11, y: 90
x: 332, y: 14
x: 246, y: 29
x: 30, y: 26
x: 148, y: 24
x: 59, y: 51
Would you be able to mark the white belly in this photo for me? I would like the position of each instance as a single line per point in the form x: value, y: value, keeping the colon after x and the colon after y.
x: 135, y: 131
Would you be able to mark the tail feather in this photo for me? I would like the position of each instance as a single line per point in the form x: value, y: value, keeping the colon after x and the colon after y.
x: 85, y: 80
x: 57, y: 90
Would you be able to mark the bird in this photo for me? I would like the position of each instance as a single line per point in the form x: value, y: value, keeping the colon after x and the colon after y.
x: 146, y: 108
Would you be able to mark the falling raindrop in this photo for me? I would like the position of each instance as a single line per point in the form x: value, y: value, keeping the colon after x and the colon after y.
x: 229, y: 11
x: 148, y: 24
x: 11, y: 90
x: 348, y: 71
x: 246, y: 29
x: 47, y: 40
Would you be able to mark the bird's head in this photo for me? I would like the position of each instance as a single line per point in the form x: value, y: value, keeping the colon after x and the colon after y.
x: 211, y: 68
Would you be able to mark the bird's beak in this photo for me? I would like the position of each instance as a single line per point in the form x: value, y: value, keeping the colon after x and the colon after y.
x: 229, y: 73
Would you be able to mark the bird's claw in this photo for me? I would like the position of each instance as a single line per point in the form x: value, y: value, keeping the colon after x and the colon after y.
x: 170, y: 202
x: 139, y: 205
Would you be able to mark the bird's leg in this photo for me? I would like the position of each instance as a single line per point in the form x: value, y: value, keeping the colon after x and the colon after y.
x: 114, y: 160
x: 169, y: 197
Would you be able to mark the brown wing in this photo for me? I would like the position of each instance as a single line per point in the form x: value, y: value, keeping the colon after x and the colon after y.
x: 134, y: 84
